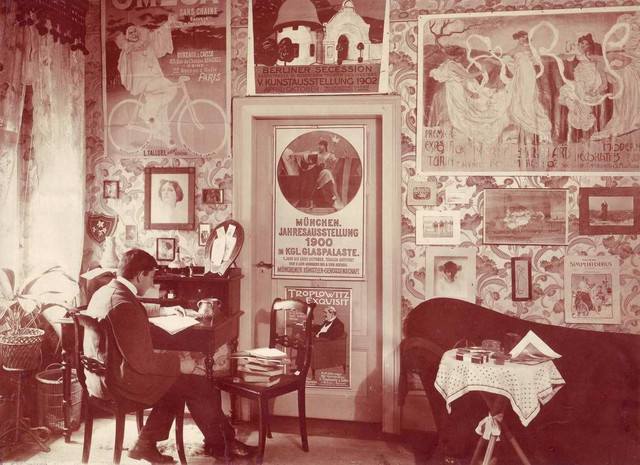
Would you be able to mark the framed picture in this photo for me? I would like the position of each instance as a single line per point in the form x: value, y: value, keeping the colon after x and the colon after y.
x: 166, y: 249
x: 421, y: 192
x: 521, y: 285
x: 204, y: 230
x: 130, y: 234
x: 169, y: 198
x: 609, y: 210
x: 591, y: 289
x: 451, y: 272
x: 525, y: 216
x: 110, y: 189
x: 212, y: 196
x: 438, y: 227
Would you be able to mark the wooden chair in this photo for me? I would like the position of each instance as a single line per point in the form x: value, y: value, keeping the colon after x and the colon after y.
x: 85, y: 325
x: 291, y: 331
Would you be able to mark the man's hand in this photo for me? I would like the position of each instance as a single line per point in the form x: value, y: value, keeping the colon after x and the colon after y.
x: 172, y: 20
x: 187, y: 365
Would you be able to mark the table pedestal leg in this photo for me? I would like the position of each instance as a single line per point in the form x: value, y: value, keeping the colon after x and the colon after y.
x: 515, y: 445
x: 489, y: 453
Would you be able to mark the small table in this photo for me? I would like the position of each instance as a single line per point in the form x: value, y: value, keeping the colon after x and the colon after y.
x: 527, y: 387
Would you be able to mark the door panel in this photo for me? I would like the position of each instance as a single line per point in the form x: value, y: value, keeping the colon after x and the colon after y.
x: 362, y: 400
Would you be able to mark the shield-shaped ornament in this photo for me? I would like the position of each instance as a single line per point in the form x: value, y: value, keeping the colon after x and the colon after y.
x: 100, y: 226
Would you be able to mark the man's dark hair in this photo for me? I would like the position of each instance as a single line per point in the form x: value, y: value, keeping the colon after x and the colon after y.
x: 135, y: 261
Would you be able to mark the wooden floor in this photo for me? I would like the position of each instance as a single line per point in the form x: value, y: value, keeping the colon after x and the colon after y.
x: 330, y: 442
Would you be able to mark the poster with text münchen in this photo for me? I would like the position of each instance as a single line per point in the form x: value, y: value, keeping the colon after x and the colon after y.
x: 318, y: 47
x: 164, y: 78
x: 318, y: 213
x: 534, y: 92
x: 331, y: 328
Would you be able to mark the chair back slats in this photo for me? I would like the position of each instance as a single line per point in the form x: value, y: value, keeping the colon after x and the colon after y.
x: 291, y: 330
x: 86, y: 326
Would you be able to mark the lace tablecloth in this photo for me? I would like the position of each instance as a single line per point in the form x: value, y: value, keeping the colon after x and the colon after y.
x: 526, y: 386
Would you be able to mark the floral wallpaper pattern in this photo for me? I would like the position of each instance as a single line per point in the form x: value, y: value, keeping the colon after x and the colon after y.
x: 493, y: 262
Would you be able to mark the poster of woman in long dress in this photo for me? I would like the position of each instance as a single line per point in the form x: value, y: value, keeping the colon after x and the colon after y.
x: 540, y: 92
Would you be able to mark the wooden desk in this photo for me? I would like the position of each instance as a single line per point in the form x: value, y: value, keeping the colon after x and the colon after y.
x: 204, y: 338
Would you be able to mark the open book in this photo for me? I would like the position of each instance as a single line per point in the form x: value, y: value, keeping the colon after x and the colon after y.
x: 173, y: 323
x: 531, y: 349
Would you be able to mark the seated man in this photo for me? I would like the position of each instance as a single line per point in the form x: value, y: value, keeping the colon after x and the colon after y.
x: 156, y: 379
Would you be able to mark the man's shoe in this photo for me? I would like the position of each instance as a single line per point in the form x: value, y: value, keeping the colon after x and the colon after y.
x: 236, y: 449
x: 147, y: 450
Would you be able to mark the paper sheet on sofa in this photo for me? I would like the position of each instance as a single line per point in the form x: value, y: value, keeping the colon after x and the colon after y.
x: 532, y: 349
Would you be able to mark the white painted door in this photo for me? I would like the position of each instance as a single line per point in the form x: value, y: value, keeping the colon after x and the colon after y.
x: 349, y: 391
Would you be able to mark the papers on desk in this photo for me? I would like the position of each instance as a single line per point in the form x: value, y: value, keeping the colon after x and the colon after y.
x: 531, y: 350
x: 173, y: 324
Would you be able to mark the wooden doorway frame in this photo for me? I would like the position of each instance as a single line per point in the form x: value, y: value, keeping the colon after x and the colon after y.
x: 386, y: 109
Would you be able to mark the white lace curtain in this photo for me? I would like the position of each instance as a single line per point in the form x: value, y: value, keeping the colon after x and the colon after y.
x: 42, y: 162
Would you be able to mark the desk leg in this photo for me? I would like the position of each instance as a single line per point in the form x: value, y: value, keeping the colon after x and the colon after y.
x: 66, y: 394
x: 208, y: 365
x: 233, y: 367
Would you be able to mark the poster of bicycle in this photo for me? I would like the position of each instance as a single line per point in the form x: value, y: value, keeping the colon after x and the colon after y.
x: 591, y: 290
x: 164, y: 76
x: 318, y: 47
x: 536, y: 92
x: 318, y: 212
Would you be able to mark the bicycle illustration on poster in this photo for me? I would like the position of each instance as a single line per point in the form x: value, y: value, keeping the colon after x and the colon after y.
x: 164, y: 79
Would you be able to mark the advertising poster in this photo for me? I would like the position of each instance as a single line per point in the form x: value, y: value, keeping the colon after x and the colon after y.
x: 318, y: 213
x: 591, y: 290
x: 536, y: 92
x: 330, y: 357
x: 317, y: 47
x: 164, y: 75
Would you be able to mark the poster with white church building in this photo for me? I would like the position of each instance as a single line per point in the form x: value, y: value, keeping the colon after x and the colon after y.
x: 317, y: 47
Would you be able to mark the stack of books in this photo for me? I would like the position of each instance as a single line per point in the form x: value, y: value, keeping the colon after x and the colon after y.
x: 263, y: 366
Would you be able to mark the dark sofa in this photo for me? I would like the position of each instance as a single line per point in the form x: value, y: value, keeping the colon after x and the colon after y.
x: 593, y: 420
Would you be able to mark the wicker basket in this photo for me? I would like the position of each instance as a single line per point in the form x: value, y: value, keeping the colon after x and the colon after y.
x: 50, y: 394
x: 21, y: 351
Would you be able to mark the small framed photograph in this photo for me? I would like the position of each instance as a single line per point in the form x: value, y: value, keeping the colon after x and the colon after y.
x: 451, y: 272
x: 204, y: 231
x: 110, y: 189
x: 438, y: 227
x: 169, y: 198
x: 421, y: 192
x: 131, y: 234
x: 591, y: 289
x: 525, y: 216
x: 609, y: 210
x: 212, y: 196
x: 165, y: 249
x: 521, y: 285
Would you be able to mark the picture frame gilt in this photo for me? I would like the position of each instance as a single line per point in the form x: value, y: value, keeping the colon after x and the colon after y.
x: 169, y: 198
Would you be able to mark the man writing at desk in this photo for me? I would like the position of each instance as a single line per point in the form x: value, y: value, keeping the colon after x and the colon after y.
x: 152, y: 378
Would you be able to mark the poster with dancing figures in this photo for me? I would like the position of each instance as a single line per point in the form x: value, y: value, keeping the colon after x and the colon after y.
x: 535, y: 92
x: 318, y: 212
x: 591, y: 289
x: 164, y: 78
x: 318, y: 47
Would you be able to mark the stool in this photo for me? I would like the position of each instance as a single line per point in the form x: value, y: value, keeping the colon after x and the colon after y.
x: 21, y: 424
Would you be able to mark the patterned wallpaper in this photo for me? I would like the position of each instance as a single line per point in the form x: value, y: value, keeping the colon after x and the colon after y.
x: 493, y: 262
